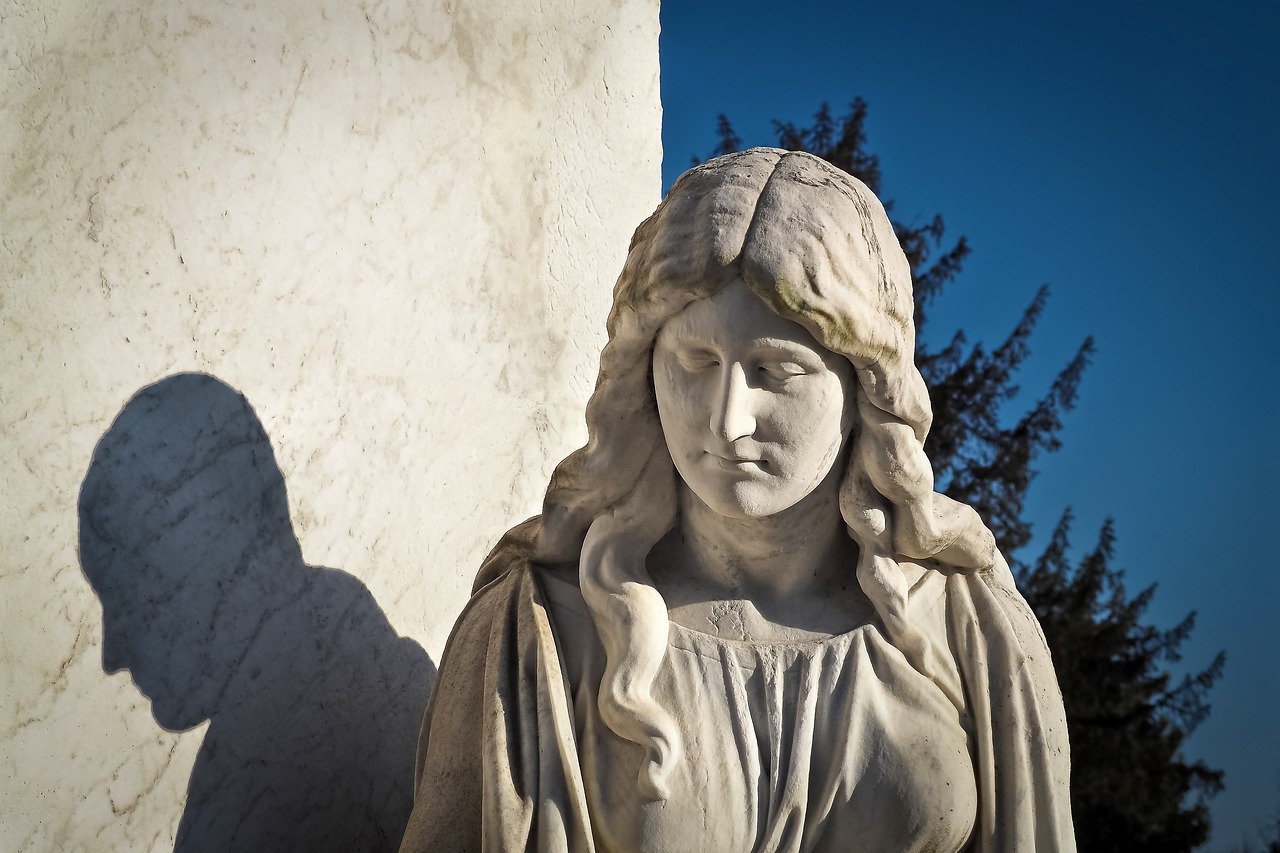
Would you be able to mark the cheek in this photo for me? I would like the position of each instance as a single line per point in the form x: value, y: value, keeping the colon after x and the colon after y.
x: 667, y: 420
x: 814, y: 419
x: 676, y: 397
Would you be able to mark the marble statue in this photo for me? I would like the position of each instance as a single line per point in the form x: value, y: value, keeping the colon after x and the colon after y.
x: 744, y: 619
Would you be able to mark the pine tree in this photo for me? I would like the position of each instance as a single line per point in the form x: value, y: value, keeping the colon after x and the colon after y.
x: 1127, y: 720
x: 1132, y: 789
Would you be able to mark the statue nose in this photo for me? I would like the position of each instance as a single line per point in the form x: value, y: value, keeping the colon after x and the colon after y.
x: 733, y: 415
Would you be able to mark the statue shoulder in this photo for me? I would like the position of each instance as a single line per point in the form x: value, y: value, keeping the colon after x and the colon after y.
x: 523, y: 591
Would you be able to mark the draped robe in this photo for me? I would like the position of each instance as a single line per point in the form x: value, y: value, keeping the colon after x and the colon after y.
x: 514, y: 756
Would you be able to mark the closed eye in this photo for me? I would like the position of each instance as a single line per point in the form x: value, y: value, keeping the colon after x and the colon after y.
x: 694, y: 360
x: 781, y: 371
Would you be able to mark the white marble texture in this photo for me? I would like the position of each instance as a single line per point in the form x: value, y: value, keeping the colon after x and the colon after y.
x: 393, y: 227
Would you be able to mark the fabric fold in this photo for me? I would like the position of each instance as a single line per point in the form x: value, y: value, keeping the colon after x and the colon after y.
x: 793, y: 748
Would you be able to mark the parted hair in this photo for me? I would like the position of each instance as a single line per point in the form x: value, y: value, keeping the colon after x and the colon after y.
x: 817, y: 246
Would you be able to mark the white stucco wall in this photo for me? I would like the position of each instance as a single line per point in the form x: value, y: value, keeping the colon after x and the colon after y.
x: 392, y: 226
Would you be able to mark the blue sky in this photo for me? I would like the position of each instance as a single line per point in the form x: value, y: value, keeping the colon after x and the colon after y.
x: 1127, y: 157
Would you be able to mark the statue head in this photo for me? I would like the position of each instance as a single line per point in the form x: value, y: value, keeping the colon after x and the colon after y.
x: 755, y: 413
x: 816, y: 247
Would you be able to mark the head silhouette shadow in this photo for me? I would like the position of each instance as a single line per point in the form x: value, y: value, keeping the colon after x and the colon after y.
x: 314, y: 702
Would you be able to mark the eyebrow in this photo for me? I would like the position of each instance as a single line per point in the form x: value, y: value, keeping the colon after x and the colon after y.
x: 687, y: 338
x: 763, y: 349
x: 685, y: 344
x: 780, y: 343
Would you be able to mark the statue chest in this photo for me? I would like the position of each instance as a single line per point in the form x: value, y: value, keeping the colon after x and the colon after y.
x: 835, y: 744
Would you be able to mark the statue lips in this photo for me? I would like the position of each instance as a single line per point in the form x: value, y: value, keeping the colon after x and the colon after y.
x: 739, y: 461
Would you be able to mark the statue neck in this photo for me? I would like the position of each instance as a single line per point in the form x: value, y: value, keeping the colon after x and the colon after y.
x: 791, y: 574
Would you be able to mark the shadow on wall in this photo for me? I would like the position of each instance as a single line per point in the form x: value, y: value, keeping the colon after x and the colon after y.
x: 313, y: 700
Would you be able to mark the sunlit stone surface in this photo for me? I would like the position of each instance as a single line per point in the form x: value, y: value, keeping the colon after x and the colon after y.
x: 385, y: 233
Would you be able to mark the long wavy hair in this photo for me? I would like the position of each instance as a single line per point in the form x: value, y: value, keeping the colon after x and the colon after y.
x: 817, y: 246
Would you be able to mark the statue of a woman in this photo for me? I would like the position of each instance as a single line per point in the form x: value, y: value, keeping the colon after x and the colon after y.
x: 745, y: 620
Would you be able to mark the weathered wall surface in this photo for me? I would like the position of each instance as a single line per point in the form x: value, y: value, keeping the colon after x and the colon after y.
x: 393, y: 228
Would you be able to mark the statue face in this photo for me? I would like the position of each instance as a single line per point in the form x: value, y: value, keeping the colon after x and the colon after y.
x: 754, y: 410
